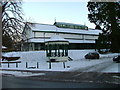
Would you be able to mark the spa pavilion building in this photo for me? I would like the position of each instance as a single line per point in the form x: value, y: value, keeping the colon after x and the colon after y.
x: 78, y: 36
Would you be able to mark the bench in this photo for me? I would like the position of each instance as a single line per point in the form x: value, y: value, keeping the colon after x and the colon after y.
x: 11, y: 62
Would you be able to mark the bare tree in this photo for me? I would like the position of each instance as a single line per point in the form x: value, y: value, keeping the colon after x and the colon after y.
x: 12, y: 21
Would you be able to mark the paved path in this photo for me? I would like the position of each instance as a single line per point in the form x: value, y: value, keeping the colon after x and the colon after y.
x: 96, y: 77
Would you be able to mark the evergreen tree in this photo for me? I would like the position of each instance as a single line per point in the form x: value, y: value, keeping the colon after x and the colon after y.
x: 103, y: 42
x: 98, y: 27
x: 107, y: 15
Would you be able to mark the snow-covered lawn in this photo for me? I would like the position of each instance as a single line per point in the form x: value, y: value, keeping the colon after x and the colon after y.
x: 79, y: 62
x: 19, y: 74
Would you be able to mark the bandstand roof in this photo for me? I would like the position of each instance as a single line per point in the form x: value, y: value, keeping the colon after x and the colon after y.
x: 56, y: 39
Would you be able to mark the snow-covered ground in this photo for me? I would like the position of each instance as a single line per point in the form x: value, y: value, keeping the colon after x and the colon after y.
x: 113, y: 68
x: 19, y: 74
x: 104, y: 64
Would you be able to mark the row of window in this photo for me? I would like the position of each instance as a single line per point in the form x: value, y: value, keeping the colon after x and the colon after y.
x: 41, y: 46
x: 57, y: 46
x: 82, y: 46
x: 57, y: 53
x: 72, y: 26
x: 41, y: 34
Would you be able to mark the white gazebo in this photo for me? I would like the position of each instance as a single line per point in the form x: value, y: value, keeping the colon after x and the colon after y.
x: 57, y: 49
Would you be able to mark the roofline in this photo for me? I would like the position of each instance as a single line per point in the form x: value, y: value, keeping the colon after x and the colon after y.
x: 57, y: 41
x: 66, y: 33
x: 40, y: 23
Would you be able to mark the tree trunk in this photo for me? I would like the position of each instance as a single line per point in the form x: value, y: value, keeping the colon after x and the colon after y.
x: 115, y: 46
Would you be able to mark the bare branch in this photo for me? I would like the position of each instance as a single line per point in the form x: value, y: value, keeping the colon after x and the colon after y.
x: 12, y: 19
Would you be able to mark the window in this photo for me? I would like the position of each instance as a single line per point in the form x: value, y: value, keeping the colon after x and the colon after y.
x: 89, y: 37
x: 37, y: 46
x: 71, y: 26
x: 38, y: 34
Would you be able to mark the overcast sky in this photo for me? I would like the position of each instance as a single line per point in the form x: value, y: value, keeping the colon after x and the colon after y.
x: 47, y: 12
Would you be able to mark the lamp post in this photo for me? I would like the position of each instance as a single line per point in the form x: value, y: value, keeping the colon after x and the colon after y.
x: 0, y: 41
x: 0, y: 31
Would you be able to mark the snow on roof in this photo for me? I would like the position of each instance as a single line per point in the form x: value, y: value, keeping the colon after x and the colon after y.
x: 94, y: 32
x: 37, y: 40
x: 53, y: 28
x: 81, y: 41
x: 39, y: 27
x: 3, y: 47
x: 56, y: 38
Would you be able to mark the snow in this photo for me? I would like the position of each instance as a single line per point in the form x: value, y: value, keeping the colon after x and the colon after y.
x: 112, y: 68
x: 12, y: 54
x: 23, y: 74
x: 46, y: 27
x: 70, y: 41
x: 89, y: 31
x: 37, y: 40
x: 39, y: 27
x: 3, y: 47
x: 57, y: 38
x: 78, y: 63
x: 80, y: 41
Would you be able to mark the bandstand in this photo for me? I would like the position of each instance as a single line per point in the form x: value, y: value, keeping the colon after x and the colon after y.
x: 57, y: 49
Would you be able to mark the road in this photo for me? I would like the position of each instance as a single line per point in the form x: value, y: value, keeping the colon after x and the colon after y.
x: 15, y: 82
x: 115, y: 67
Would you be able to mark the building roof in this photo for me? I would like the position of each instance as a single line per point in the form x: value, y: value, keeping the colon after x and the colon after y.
x: 53, y: 28
x: 39, y: 27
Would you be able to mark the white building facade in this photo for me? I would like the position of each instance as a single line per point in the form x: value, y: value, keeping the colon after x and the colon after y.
x: 79, y: 36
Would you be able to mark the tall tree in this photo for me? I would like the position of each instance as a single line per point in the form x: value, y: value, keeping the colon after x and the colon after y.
x: 107, y: 15
x: 98, y: 27
x: 12, y: 21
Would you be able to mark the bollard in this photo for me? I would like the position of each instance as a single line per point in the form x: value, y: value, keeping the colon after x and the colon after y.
x: 16, y: 64
x: 64, y: 64
x: 8, y: 65
x: 26, y: 65
x: 49, y: 64
x: 37, y: 65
